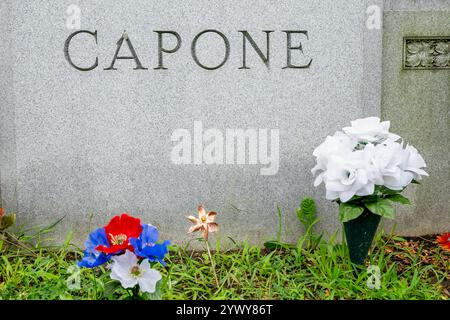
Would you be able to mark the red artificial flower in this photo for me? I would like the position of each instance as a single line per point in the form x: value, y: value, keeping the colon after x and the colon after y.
x: 444, y: 241
x: 119, y: 231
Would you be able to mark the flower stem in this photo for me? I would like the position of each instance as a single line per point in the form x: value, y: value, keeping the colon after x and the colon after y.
x: 12, y: 240
x: 135, y: 293
x: 212, y: 264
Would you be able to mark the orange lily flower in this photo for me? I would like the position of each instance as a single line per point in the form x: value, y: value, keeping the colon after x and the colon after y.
x: 444, y: 241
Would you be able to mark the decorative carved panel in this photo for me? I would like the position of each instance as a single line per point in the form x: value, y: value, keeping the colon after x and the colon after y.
x: 426, y: 53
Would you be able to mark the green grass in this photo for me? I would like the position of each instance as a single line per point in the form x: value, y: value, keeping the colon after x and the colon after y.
x: 409, y: 270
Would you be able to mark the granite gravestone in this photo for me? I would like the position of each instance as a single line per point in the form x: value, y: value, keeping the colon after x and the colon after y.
x: 416, y: 98
x: 153, y: 107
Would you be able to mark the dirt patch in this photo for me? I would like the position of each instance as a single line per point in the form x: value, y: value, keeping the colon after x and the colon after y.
x: 422, y: 250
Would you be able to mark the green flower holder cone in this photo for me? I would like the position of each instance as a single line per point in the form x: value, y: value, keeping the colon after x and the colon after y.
x: 359, y: 234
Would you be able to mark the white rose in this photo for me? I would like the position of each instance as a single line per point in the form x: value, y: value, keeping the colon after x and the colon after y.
x: 338, y: 144
x: 395, y: 167
x: 348, y: 176
x: 370, y: 129
x: 386, y: 161
x: 366, y: 155
x: 413, y: 162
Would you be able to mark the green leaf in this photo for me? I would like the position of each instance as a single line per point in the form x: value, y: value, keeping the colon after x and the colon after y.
x: 109, y: 289
x: 205, y: 257
x: 308, y: 206
x: 157, y: 295
x: 307, y: 212
x: 275, y: 245
x: 354, y: 198
x: 399, y: 198
x: 385, y: 190
x: 371, y: 198
x: 348, y: 211
x: 382, y: 207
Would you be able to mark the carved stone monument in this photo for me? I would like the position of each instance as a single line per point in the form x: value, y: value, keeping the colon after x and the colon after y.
x: 153, y: 107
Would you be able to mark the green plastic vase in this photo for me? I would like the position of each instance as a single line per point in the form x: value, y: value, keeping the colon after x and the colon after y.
x: 359, y: 233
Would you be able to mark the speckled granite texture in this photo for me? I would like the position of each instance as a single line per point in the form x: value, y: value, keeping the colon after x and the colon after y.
x: 417, y: 102
x: 88, y: 145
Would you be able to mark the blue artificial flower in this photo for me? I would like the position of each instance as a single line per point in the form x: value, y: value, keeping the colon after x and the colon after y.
x: 145, y: 246
x: 92, y: 257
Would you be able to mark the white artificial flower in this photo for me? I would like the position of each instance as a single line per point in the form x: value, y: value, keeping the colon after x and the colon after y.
x: 365, y: 156
x: 348, y: 176
x: 338, y: 144
x: 126, y: 269
x: 387, y: 164
x: 370, y: 129
x: 413, y: 162
x: 394, y: 166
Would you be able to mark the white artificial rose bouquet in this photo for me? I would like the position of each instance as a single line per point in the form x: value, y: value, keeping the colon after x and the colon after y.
x: 364, y: 166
